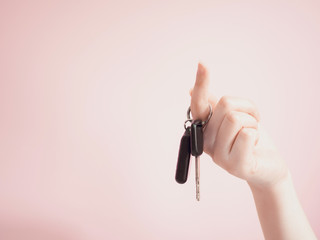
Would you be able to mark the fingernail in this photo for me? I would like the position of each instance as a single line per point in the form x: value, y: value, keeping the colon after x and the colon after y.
x: 200, y: 68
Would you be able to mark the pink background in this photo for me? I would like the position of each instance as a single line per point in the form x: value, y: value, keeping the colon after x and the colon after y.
x: 93, y: 96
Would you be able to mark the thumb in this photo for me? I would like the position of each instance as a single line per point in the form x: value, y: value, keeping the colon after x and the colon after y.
x: 200, y: 98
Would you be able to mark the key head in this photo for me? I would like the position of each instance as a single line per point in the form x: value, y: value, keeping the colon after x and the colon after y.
x: 196, y: 138
x: 183, y: 157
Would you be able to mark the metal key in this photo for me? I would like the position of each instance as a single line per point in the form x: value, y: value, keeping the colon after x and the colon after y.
x: 191, y: 143
x: 183, y: 157
x: 196, y: 141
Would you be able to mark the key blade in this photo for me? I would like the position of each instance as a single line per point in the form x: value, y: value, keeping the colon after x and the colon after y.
x: 197, y: 178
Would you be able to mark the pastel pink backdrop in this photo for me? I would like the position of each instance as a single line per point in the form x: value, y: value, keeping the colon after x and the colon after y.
x: 93, y: 96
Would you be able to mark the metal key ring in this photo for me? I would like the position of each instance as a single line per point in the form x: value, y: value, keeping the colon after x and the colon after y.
x: 185, y: 123
x: 203, y: 122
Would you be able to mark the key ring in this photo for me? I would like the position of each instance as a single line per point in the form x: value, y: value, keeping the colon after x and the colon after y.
x: 185, y: 123
x: 204, y: 123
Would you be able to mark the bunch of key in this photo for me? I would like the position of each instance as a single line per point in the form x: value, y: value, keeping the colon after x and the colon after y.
x: 191, y: 144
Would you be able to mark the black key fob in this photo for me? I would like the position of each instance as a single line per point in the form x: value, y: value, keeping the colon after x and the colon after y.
x: 183, y: 157
x: 196, y: 138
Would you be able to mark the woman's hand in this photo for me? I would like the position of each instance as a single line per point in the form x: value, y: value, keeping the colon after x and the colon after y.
x: 236, y: 142
x: 234, y: 138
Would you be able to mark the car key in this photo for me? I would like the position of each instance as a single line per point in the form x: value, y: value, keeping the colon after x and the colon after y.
x: 196, y: 141
x: 183, y: 157
x: 191, y: 144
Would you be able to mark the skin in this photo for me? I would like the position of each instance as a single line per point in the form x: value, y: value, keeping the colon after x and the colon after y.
x: 236, y: 141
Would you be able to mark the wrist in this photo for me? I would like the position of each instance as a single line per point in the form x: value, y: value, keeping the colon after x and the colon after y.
x: 273, y: 187
x: 280, y: 213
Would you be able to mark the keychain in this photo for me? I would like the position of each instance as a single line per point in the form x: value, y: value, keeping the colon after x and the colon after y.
x: 191, y: 143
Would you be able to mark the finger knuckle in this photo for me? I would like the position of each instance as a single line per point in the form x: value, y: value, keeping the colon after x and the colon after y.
x: 225, y: 102
x: 219, y: 157
x: 233, y: 117
x: 247, y: 133
x: 254, y: 107
x: 216, y: 153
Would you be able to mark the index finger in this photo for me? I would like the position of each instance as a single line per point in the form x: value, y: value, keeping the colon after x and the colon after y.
x: 200, y: 94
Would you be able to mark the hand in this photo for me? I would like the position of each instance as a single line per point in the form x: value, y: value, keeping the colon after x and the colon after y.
x: 234, y: 138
